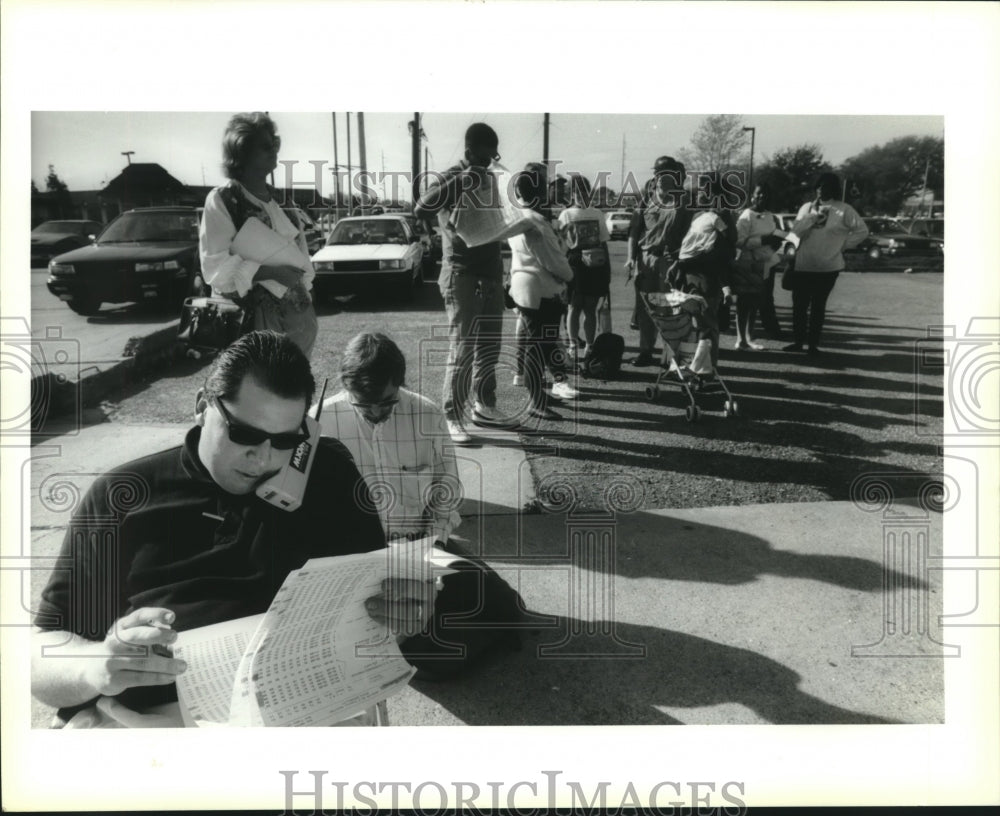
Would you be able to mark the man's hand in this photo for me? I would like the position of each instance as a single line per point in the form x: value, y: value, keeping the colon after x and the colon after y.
x: 404, y: 605
x: 629, y: 270
x: 135, y: 652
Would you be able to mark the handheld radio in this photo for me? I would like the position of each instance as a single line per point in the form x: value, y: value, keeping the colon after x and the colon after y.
x: 287, y: 487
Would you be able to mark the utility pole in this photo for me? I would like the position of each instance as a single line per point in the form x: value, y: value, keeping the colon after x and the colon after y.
x: 415, y: 133
x: 128, y: 155
x: 350, y: 195
x: 426, y: 166
x: 753, y: 136
x: 336, y: 170
x: 361, y: 149
x: 545, y: 141
x: 623, y: 165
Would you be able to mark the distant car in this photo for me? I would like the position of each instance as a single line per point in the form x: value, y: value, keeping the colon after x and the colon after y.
x: 618, y: 224
x: 148, y: 254
x: 314, y: 235
x: 370, y: 253
x: 930, y: 227
x: 55, y: 237
x: 887, y: 238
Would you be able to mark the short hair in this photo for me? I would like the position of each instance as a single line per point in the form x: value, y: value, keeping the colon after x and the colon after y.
x: 580, y: 189
x: 239, y: 139
x: 371, y: 361
x: 828, y: 180
x: 271, y: 359
x: 479, y: 134
x: 529, y: 184
x: 763, y: 186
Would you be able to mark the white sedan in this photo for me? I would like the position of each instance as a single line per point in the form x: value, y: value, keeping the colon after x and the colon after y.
x: 367, y: 254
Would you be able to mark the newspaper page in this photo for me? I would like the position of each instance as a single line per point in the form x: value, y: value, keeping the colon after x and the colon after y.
x: 489, y: 214
x: 315, y: 657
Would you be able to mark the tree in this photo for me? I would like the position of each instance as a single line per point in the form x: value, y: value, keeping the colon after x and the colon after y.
x: 719, y: 144
x: 59, y: 192
x: 791, y: 173
x: 34, y: 187
x: 886, y: 175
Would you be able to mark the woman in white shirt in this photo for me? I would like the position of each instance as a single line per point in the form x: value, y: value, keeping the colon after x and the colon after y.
x: 539, y: 272
x: 758, y: 237
x: 274, y: 295
x: 826, y: 227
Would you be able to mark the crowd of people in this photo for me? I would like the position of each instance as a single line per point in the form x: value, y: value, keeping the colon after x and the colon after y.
x: 202, y: 548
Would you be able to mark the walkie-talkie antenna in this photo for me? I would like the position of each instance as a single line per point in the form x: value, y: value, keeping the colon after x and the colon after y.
x: 319, y: 405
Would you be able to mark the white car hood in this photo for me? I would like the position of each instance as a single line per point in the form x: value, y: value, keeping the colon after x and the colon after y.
x: 361, y: 252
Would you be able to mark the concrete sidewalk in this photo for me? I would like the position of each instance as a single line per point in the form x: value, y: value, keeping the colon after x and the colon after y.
x: 732, y: 615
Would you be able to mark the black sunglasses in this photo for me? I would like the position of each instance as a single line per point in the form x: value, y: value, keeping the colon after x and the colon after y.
x: 248, y: 435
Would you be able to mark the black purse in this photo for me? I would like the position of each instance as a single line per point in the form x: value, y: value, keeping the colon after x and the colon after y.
x: 209, y: 324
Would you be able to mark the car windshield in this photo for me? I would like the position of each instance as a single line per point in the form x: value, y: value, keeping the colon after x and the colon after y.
x: 152, y: 226
x: 367, y: 232
x: 61, y: 228
x: 880, y: 226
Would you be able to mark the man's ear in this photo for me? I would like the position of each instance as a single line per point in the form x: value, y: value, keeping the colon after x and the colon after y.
x: 200, y: 407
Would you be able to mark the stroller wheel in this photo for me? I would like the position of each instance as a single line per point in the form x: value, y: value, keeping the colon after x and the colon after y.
x: 652, y: 392
x: 727, y: 409
x: 692, y: 413
x: 735, y: 408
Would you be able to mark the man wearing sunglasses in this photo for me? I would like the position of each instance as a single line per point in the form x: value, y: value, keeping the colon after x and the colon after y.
x: 179, y: 540
x: 471, y: 284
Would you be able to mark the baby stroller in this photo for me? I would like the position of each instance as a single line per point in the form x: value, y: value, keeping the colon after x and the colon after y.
x: 676, y: 317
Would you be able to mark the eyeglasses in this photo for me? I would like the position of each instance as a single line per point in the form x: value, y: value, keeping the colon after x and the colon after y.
x: 386, y: 403
x: 241, y: 434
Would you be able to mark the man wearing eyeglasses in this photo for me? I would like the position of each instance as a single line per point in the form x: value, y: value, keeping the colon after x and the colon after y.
x: 398, y: 439
x: 179, y: 540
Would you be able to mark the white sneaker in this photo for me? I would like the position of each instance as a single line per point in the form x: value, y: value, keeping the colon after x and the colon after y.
x: 458, y: 434
x: 519, y: 380
x: 563, y: 390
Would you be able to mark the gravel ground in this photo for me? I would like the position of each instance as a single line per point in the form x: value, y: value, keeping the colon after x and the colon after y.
x: 808, y: 428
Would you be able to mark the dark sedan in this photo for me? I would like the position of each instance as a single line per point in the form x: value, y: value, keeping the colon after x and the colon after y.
x: 887, y: 238
x: 144, y: 255
x: 55, y: 237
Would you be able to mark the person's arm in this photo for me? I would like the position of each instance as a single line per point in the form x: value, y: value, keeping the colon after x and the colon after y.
x: 69, y: 670
x: 444, y: 191
x: 857, y: 229
x: 636, y: 229
x: 225, y: 272
x: 447, y: 491
x: 745, y: 239
x: 551, y: 254
x: 804, y: 220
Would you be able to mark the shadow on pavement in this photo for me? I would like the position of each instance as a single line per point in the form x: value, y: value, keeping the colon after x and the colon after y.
x: 596, y: 673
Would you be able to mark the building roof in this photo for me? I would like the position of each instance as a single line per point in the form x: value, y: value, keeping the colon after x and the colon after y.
x: 142, y: 181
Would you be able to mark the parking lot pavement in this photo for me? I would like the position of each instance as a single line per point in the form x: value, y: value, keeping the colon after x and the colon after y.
x: 756, y: 614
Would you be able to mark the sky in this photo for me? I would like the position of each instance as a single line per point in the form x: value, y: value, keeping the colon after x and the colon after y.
x: 86, y: 147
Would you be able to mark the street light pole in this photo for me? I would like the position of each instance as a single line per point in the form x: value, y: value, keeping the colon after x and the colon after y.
x: 128, y: 155
x: 753, y: 137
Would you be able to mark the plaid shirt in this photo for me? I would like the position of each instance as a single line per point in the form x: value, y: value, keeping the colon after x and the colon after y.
x: 407, y: 461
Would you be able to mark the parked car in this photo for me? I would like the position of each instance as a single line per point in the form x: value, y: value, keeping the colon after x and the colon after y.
x: 314, y: 235
x: 368, y: 253
x: 55, y: 237
x: 930, y: 227
x: 887, y: 238
x: 148, y: 254
x: 618, y: 223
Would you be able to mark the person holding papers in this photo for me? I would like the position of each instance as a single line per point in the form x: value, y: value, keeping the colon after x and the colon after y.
x: 180, y: 540
x: 471, y: 285
x: 250, y: 251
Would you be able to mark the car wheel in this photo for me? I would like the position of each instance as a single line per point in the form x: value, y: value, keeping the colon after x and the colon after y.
x: 86, y: 305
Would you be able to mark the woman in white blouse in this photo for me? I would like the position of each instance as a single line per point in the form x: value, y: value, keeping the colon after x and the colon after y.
x: 263, y: 266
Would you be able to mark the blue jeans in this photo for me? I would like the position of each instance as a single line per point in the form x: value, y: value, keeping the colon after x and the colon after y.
x: 475, y: 328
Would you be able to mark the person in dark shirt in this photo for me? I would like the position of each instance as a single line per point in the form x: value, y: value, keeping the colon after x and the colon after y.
x: 179, y: 539
x: 655, y: 236
x: 471, y: 284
